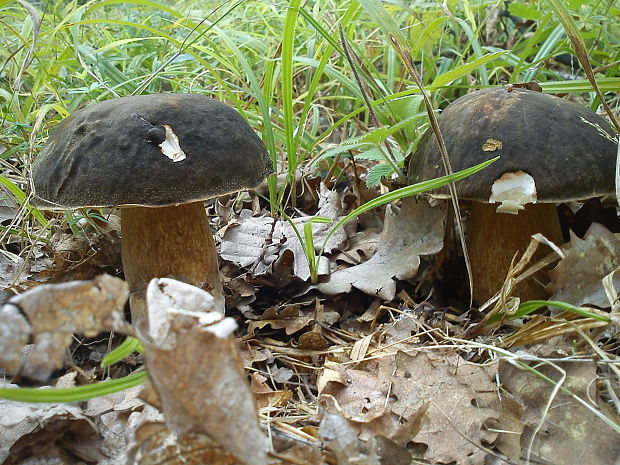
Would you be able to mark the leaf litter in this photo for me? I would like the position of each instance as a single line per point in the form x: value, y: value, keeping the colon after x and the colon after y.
x: 189, y: 338
x: 578, y: 278
x: 416, y: 230
x: 258, y: 242
x: 355, y: 375
x: 558, y: 424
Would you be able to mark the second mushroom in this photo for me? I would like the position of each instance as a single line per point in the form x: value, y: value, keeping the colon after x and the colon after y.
x: 551, y: 151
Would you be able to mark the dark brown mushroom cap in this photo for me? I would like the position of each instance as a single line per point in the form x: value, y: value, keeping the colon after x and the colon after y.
x: 568, y: 149
x: 108, y: 154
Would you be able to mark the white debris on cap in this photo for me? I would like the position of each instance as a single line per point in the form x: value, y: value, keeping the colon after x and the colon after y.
x: 513, y: 191
x: 491, y: 145
x: 171, y: 147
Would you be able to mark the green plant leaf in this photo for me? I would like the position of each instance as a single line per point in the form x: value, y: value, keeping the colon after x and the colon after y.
x: 403, y: 107
x: 609, y: 84
x: 375, y: 174
x: 320, y: 220
x: 524, y: 11
x: 310, y: 253
x: 288, y: 42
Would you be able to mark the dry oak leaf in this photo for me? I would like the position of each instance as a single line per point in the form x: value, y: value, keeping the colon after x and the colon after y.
x: 511, y: 427
x: 13, y: 270
x: 568, y: 432
x: 290, y: 318
x: 340, y: 438
x: 577, y: 278
x: 416, y: 230
x: 111, y: 414
x: 437, y: 400
x: 360, y: 247
x: 244, y: 243
x: 458, y: 399
x: 361, y: 395
x: 330, y: 206
x: 155, y: 444
x: 247, y: 243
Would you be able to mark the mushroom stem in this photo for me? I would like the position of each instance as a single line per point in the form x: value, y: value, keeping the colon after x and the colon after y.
x: 494, y: 238
x: 168, y: 242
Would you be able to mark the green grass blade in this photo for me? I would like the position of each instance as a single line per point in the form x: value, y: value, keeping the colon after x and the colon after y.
x: 321, y: 30
x: 532, y: 305
x: 544, y: 52
x: 310, y: 252
x: 92, y: 6
x: 22, y: 198
x: 477, y: 48
x: 288, y: 43
x: 464, y: 69
x: 568, y: 23
x: 609, y: 84
x: 129, y: 345
x: 74, y: 394
x: 258, y: 95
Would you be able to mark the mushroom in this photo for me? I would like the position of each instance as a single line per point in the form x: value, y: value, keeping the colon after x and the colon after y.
x: 157, y: 157
x: 551, y: 151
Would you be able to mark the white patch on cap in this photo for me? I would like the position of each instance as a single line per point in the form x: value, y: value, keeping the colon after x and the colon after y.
x: 223, y: 329
x: 513, y: 191
x: 171, y: 147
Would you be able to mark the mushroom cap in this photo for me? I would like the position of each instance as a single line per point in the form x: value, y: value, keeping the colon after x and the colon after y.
x: 108, y: 154
x: 569, y: 150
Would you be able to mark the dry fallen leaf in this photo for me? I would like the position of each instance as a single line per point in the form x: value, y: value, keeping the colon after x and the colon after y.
x: 8, y: 207
x: 51, y: 314
x: 258, y: 242
x: 330, y: 206
x: 265, y: 395
x: 340, y: 438
x: 154, y: 444
x: 288, y: 317
x: 195, y: 366
x: 510, y: 427
x: 577, y: 279
x: 457, y: 400
x: 556, y: 427
x: 13, y: 270
x: 244, y: 242
x: 82, y: 257
x: 416, y: 230
x: 111, y: 414
x: 435, y: 400
x: 50, y: 433
x: 360, y: 248
x: 361, y: 395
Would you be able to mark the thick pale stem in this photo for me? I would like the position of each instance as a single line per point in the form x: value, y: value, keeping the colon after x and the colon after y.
x: 494, y: 238
x: 168, y: 242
